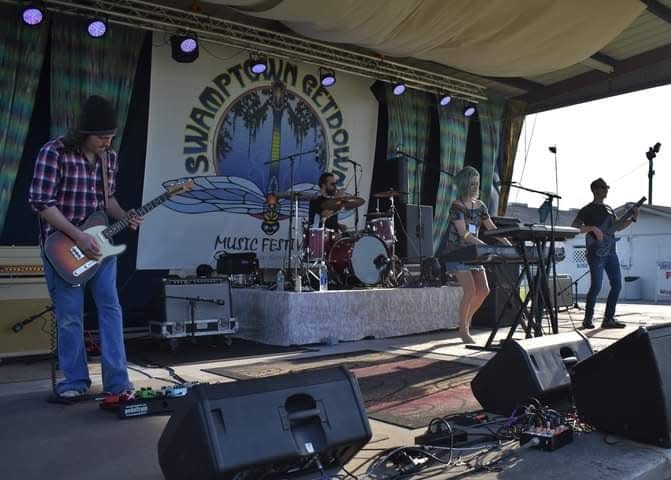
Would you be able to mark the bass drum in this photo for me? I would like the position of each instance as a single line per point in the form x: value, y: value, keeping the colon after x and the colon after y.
x: 359, y: 259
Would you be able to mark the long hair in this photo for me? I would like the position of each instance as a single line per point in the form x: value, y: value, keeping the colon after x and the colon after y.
x: 73, y: 141
x: 463, y: 180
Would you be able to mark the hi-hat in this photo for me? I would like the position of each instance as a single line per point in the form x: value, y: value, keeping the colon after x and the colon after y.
x: 344, y: 203
x: 299, y: 195
x: 389, y: 193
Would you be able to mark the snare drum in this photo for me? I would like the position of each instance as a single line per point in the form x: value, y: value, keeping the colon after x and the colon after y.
x: 360, y: 259
x: 312, y: 241
x: 383, y: 228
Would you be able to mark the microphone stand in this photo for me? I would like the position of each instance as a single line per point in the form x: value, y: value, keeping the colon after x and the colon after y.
x: 550, y: 197
x: 420, y: 225
x: 356, y: 191
x: 293, y: 227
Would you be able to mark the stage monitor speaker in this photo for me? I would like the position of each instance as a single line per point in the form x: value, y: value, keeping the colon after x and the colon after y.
x: 625, y: 388
x: 415, y: 232
x: 273, y: 427
x: 530, y: 368
x: 501, y: 302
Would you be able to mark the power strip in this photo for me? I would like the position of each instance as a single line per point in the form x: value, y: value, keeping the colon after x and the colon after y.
x: 548, y: 438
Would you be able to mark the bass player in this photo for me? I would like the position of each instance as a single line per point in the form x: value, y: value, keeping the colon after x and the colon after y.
x: 597, y: 220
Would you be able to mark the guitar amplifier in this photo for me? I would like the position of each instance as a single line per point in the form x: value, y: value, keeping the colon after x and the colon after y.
x: 196, y: 307
x: 24, y: 297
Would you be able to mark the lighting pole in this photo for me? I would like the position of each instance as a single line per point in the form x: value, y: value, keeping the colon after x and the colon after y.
x: 651, y: 154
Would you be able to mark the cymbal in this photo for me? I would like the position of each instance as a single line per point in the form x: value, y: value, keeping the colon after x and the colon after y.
x: 378, y: 214
x: 300, y: 195
x: 345, y: 203
x: 389, y: 193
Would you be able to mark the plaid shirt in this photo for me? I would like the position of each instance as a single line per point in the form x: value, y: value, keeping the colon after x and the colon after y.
x: 66, y: 180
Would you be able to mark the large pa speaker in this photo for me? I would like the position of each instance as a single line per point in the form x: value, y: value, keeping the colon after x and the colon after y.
x: 415, y: 231
x: 626, y: 387
x: 501, y: 302
x: 534, y: 367
x: 263, y: 428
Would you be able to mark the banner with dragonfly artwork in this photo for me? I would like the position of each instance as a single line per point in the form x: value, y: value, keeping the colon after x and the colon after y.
x: 247, y: 141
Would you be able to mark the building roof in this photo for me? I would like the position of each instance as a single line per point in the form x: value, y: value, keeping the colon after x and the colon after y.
x: 527, y: 214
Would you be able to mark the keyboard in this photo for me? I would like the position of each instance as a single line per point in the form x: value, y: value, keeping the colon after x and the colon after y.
x: 525, y: 233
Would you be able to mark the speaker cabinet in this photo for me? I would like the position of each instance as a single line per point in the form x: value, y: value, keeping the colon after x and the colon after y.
x: 501, y: 302
x: 417, y: 230
x: 259, y: 428
x: 625, y: 389
x: 534, y: 367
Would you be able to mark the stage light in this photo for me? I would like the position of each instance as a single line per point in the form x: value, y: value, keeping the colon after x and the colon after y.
x: 399, y: 88
x: 257, y: 63
x: 33, y: 14
x: 326, y: 77
x: 445, y: 99
x: 469, y: 110
x: 184, y: 47
x: 97, y: 28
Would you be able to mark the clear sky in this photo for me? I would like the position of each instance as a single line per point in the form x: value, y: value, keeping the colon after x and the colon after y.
x: 606, y: 138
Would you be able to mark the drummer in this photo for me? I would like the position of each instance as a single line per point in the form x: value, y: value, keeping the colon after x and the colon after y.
x: 317, y: 213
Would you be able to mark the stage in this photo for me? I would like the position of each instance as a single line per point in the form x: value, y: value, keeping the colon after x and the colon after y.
x: 301, y: 318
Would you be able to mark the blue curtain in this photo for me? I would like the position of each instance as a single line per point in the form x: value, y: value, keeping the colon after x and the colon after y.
x: 453, y: 137
x: 82, y: 66
x: 409, y: 126
x: 21, y: 57
x: 491, y: 115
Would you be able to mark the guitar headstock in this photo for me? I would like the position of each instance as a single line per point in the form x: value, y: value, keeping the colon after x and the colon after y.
x: 177, y: 188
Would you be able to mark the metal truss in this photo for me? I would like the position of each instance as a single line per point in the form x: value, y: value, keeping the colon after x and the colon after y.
x: 153, y: 16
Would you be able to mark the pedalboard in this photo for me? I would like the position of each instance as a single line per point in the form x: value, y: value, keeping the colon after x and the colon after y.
x: 548, y: 439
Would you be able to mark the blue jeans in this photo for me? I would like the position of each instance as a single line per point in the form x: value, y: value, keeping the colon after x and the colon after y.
x: 68, y: 303
x: 597, y: 265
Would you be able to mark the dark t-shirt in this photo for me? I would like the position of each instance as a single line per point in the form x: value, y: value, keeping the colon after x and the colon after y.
x: 595, y: 214
x: 316, y: 209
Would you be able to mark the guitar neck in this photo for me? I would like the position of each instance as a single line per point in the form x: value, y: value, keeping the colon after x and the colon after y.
x: 122, y: 224
x: 627, y: 214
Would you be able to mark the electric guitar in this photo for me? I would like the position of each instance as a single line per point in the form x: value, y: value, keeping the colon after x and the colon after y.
x: 72, y: 264
x: 602, y: 248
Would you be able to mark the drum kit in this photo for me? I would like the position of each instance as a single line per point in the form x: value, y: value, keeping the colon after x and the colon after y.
x: 365, y: 258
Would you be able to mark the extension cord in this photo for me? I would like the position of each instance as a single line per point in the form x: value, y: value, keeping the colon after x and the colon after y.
x: 443, y: 437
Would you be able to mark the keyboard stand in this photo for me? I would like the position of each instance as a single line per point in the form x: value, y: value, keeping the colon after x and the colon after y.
x: 537, y: 295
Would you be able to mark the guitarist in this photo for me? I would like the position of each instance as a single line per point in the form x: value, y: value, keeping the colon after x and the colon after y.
x: 66, y: 188
x: 593, y: 219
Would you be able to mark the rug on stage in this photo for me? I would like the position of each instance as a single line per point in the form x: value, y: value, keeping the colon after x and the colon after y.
x: 150, y: 352
x: 399, y: 389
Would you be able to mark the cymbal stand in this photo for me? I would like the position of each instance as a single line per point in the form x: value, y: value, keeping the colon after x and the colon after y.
x: 394, y: 270
x: 293, y: 225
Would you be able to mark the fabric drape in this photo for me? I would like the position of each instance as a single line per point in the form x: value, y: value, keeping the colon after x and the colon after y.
x: 21, y: 57
x: 511, y: 134
x: 82, y: 66
x: 409, y: 127
x: 453, y: 137
x: 501, y: 38
x: 491, y: 127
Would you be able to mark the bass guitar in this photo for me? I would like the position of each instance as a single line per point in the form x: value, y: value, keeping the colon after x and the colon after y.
x: 602, y: 248
x: 72, y: 264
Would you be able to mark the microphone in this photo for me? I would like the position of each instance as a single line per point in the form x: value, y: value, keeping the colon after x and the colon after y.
x: 504, y: 184
x: 398, y: 148
x: 350, y: 161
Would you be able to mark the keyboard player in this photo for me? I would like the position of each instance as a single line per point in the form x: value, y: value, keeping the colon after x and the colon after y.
x: 467, y: 215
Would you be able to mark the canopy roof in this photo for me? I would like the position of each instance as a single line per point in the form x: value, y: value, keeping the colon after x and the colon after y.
x: 547, y: 53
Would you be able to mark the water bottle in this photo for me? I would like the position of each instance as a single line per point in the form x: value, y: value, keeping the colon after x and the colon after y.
x: 279, y: 280
x: 323, y: 278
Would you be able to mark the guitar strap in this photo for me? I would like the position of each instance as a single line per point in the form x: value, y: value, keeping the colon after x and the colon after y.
x: 103, y: 162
